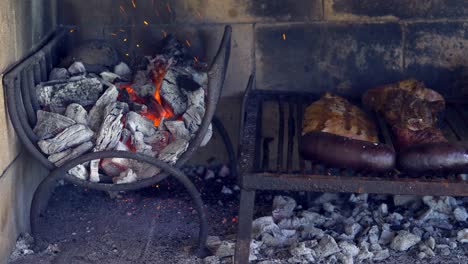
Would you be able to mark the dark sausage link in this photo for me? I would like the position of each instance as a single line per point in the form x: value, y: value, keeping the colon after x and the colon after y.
x: 343, y: 152
x: 437, y: 157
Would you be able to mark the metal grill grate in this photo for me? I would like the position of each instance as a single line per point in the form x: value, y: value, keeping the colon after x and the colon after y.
x: 270, y: 158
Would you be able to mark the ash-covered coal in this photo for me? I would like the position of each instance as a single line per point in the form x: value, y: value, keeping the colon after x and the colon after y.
x: 157, y: 114
x: 340, y: 228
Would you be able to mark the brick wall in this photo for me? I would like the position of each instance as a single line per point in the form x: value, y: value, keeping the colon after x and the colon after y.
x: 346, y: 46
x: 23, y: 24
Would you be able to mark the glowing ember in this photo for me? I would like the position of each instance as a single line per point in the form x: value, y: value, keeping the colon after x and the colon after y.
x: 157, y: 109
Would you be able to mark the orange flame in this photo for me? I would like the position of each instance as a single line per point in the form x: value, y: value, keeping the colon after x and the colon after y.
x: 158, y: 110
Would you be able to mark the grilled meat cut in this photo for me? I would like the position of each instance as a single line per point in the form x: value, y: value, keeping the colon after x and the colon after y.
x: 336, y: 115
x: 339, y: 134
x: 411, y: 110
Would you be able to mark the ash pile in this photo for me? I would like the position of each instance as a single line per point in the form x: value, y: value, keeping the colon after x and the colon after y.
x: 155, y: 110
x: 348, y: 229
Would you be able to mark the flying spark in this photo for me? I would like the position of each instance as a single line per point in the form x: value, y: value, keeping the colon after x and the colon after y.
x: 134, y: 3
x: 188, y: 43
x: 284, y: 36
x: 146, y: 22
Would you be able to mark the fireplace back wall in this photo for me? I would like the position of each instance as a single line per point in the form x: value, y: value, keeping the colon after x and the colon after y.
x: 316, y: 45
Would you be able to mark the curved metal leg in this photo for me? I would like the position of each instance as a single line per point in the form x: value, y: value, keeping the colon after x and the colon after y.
x: 218, y: 124
x: 40, y: 200
x: 196, y: 197
x: 41, y: 195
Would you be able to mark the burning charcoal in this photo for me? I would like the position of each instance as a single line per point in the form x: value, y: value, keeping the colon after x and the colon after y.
x: 139, y: 108
x: 111, y: 128
x: 135, y: 122
x: 125, y: 136
x: 94, y: 171
x: 59, y: 74
x: 77, y: 68
x: 58, y: 95
x: 186, y: 83
x: 140, y: 145
x: 123, y: 70
x: 171, y: 93
x: 172, y: 47
x: 77, y: 113
x: 200, y: 77
x: 114, y: 166
x: 96, y: 115
x: 50, y: 124
x: 196, y: 98
x: 172, y: 152
x: 60, y: 158
x: 193, y: 118
x: 208, y: 136
x: 143, y: 85
x: 70, y: 137
x: 109, y: 77
x: 80, y: 172
x: 127, y: 176
x: 177, y: 129
x: 159, y: 140
x: 144, y: 170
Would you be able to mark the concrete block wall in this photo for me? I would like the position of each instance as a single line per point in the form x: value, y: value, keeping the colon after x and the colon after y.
x: 344, y: 46
x: 23, y: 24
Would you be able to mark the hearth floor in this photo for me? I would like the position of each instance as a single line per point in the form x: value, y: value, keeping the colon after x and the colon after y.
x: 155, y: 225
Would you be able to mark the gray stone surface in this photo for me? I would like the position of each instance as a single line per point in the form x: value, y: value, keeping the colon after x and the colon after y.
x: 404, y: 240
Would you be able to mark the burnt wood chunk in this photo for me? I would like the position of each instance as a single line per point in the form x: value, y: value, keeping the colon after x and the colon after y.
x: 50, y: 124
x: 60, y: 158
x: 171, y: 93
x: 77, y: 113
x: 80, y: 172
x: 177, y: 129
x: 96, y: 115
x: 70, y: 137
x: 172, y: 152
x: 111, y: 128
x: 135, y: 122
x: 57, y: 95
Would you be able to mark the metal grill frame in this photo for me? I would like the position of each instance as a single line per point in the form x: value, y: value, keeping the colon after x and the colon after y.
x: 253, y: 177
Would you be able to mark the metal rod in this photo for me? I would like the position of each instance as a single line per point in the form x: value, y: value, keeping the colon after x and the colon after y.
x: 291, y: 135
x: 279, y: 160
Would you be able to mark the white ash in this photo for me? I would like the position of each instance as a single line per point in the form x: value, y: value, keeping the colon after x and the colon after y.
x: 57, y: 95
x: 462, y: 236
x: 127, y: 176
x: 77, y: 68
x: 372, y: 235
x: 172, y: 94
x: 173, y: 151
x: 50, y: 124
x: 460, y: 214
x: 110, y: 77
x: 226, y: 191
x: 77, y: 113
x: 177, y: 129
x: 123, y: 70
x: 193, y: 118
x: 94, y: 171
x: 23, y: 246
x: 59, y: 74
x: 224, y: 171
x: 70, y: 137
x: 61, y: 157
x: 159, y: 140
x: 208, y: 136
x: 79, y: 172
x: 140, y: 145
x: 283, y: 207
x: 142, y: 84
x: 115, y: 166
x: 135, y: 122
x: 96, y: 114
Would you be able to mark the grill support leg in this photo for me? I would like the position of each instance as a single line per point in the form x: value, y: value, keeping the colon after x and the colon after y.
x: 40, y: 200
x: 246, y: 210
